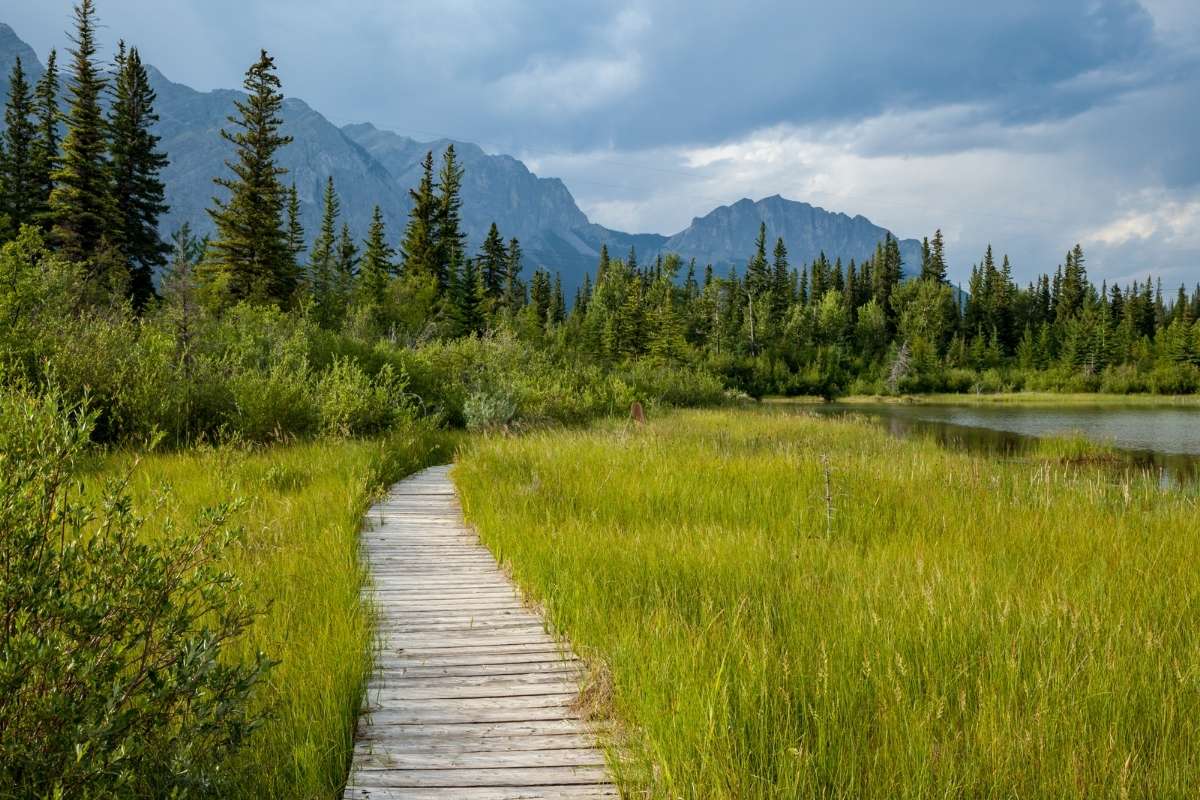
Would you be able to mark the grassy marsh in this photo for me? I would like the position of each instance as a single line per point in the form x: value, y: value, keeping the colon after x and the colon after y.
x: 945, y: 626
x: 301, y: 510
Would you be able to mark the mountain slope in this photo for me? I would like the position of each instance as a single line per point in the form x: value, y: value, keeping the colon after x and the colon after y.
x: 726, y: 234
x: 372, y: 166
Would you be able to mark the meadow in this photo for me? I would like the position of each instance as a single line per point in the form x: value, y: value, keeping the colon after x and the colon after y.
x: 300, y: 507
x: 776, y: 605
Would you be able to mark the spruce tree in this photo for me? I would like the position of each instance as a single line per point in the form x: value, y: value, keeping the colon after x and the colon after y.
x: 450, y: 239
x: 558, y: 304
x: 464, y: 310
x: 250, y: 253
x: 81, y: 203
x: 136, y: 163
x: 18, y: 179
x: 602, y: 267
x: 347, y: 271
x: 492, y: 259
x: 419, y: 247
x: 295, y: 232
x: 514, y: 289
x: 933, y: 261
x: 45, y: 150
x: 781, y: 293
x: 322, y: 261
x: 376, y: 261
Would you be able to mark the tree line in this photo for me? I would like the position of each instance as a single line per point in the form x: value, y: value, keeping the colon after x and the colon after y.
x: 824, y: 327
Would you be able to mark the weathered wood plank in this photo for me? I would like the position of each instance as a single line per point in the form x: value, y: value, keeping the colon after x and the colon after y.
x: 483, y: 793
x: 485, y: 776
x: 471, y: 697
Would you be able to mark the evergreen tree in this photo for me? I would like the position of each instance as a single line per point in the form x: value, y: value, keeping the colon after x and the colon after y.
x: 541, y: 296
x: 19, y: 188
x: 376, y: 261
x: 450, y: 240
x: 136, y: 164
x: 492, y: 262
x: 81, y: 202
x: 419, y: 249
x: 45, y: 149
x: 602, y: 267
x: 558, y: 305
x: 250, y: 254
x: 933, y: 267
x: 346, y: 273
x: 295, y: 230
x: 322, y: 260
x: 781, y: 292
x: 514, y: 289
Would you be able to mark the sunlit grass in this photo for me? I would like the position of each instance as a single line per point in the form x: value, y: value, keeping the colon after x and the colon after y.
x: 948, y: 626
x: 301, y: 508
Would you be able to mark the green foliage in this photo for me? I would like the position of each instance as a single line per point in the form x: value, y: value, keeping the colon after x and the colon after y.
x: 19, y: 189
x: 351, y: 403
x: 114, y: 650
x: 419, y: 250
x: 136, y: 163
x: 81, y: 203
x: 45, y: 150
x: 250, y: 257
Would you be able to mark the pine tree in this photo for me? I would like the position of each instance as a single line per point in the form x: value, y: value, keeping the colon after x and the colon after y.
x: 136, y: 163
x: 376, y: 261
x: 492, y: 259
x: 250, y: 253
x: 81, y: 203
x: 18, y: 180
x: 419, y: 248
x: 514, y: 289
x: 45, y: 150
x: 322, y: 260
x: 295, y: 231
x: 781, y: 292
x: 541, y: 296
x: 347, y: 271
x: 450, y: 240
x: 933, y: 267
x: 558, y: 303
x: 602, y: 267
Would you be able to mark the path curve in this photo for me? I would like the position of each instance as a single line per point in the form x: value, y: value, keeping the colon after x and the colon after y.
x: 471, y: 699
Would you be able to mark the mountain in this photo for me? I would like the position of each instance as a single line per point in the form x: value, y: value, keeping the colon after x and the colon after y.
x: 725, y: 234
x: 372, y: 166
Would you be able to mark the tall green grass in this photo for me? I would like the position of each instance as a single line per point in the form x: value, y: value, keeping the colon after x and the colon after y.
x: 301, y: 509
x: 943, y: 626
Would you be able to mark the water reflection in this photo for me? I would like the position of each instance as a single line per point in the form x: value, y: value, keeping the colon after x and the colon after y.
x: 1164, y: 442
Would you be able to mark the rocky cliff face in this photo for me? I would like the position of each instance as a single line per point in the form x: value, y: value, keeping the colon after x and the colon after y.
x: 372, y: 166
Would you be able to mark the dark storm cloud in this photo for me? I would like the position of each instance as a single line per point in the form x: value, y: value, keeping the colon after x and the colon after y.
x: 1030, y: 123
x: 582, y: 74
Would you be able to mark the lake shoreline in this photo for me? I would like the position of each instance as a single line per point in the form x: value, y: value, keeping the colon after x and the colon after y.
x: 1005, y: 398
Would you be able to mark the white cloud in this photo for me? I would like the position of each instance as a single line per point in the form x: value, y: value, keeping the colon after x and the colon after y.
x: 1154, y: 216
x: 1032, y: 191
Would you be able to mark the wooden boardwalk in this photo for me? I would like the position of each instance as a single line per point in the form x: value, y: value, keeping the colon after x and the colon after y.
x: 471, y: 698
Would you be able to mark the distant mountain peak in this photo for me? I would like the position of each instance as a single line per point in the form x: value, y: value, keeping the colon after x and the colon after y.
x: 371, y: 165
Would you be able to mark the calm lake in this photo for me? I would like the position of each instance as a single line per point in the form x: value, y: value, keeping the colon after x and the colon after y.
x: 1165, y: 440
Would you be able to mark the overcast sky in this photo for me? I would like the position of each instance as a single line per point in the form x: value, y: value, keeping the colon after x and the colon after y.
x: 1031, y: 124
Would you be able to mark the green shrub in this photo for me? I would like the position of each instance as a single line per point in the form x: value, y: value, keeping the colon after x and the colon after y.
x: 115, y: 670
x: 489, y: 410
x: 1174, y: 379
x: 351, y: 403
